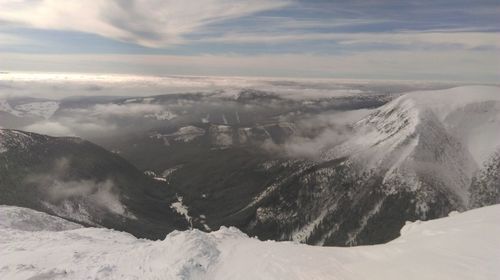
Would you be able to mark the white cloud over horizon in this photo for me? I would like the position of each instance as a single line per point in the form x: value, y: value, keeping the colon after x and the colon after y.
x: 469, y: 66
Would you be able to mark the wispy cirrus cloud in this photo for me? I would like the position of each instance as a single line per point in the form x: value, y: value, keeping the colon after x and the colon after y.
x: 157, y: 23
x: 284, y: 23
x: 151, y: 23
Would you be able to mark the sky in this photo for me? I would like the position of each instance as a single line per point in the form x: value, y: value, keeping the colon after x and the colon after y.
x: 452, y: 40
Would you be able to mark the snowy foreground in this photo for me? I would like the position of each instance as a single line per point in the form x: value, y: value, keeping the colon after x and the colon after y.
x: 34, y: 245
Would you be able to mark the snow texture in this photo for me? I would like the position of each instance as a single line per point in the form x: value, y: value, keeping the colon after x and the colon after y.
x: 14, y: 139
x: 34, y: 245
x: 18, y: 218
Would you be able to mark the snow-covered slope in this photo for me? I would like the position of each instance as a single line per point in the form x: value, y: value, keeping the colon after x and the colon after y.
x: 462, y: 111
x: 462, y: 246
x: 485, y: 188
x: 14, y: 139
x: 24, y: 219
x: 78, y: 180
x: 442, y: 136
x: 469, y: 113
x: 419, y: 156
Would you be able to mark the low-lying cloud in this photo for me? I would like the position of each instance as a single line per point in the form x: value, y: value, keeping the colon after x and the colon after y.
x: 71, y: 126
x: 319, y: 133
x: 59, y: 189
x: 124, y: 110
x: 52, y: 128
x: 98, y: 119
x: 101, y: 194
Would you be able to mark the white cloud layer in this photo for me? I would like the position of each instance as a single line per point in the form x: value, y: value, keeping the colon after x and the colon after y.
x: 52, y: 128
x: 150, y: 23
x: 458, y: 65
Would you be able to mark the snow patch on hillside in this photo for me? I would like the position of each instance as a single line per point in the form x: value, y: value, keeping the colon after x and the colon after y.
x: 14, y: 139
x: 188, y: 133
x: 182, y: 210
x: 161, y: 116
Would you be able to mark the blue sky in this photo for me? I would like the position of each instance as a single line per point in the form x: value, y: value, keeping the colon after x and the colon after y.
x: 374, y: 39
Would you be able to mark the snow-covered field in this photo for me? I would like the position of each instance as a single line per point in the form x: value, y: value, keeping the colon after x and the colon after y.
x: 34, y: 245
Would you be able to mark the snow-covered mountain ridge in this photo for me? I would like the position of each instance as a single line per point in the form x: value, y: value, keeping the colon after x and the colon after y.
x: 438, y: 138
x: 465, y: 112
x: 461, y: 246
x: 461, y: 111
x: 419, y: 156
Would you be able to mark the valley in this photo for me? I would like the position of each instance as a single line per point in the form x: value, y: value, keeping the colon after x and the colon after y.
x: 321, y: 171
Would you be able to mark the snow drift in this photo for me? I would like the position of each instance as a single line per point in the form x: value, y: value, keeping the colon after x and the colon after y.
x: 34, y: 245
